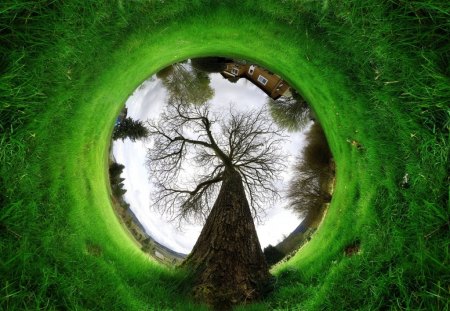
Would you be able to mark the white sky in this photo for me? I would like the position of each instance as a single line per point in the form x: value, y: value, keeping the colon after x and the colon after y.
x: 146, y: 102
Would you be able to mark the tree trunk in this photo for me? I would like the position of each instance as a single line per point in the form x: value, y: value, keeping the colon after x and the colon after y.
x: 227, y: 262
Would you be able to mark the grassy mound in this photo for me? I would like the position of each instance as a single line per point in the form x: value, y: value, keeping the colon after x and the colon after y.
x: 376, y: 74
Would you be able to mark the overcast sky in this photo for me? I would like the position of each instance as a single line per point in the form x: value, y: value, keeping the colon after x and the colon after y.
x: 146, y: 102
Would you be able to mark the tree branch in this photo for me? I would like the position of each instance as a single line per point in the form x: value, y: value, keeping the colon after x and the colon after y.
x: 185, y: 137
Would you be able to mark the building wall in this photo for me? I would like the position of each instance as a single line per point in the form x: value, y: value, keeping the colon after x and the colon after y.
x: 274, y: 87
x: 272, y: 80
x: 241, y: 69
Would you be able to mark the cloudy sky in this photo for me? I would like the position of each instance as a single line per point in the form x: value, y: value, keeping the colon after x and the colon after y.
x: 146, y: 102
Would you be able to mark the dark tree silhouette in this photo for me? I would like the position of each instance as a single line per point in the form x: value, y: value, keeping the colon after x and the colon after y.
x: 273, y: 255
x: 210, y: 64
x: 235, y: 158
x: 115, y: 169
x: 129, y: 128
x: 117, y: 186
x: 309, y: 189
x: 290, y: 112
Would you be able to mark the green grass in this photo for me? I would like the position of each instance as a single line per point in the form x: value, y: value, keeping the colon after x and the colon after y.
x: 376, y: 72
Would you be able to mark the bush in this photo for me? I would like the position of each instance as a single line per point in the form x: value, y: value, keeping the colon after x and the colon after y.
x: 272, y: 255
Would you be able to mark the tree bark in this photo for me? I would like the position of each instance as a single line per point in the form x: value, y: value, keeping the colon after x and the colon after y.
x: 227, y: 262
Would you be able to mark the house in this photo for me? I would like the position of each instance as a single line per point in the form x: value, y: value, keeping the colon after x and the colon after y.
x: 159, y: 255
x: 268, y: 82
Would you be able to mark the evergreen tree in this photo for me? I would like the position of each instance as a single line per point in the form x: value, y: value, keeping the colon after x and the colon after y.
x: 129, y: 128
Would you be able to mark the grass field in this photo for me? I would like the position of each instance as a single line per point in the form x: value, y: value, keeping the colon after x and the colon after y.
x: 375, y: 72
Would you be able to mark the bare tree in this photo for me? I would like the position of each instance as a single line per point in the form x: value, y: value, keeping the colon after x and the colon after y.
x: 309, y: 189
x: 247, y: 142
x: 307, y: 192
x: 230, y: 154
